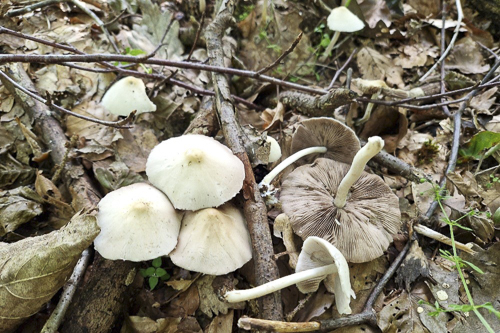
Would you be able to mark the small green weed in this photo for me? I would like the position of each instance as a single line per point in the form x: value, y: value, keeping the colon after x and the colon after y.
x: 154, y: 273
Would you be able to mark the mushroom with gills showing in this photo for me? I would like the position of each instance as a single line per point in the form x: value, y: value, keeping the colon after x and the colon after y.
x: 137, y: 223
x: 340, y: 20
x: 354, y: 210
x: 213, y: 241
x: 195, y: 171
x: 127, y: 95
x: 317, y: 136
x: 318, y: 260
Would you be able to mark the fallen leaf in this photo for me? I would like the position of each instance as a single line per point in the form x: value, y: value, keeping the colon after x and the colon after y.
x: 17, y: 207
x: 210, y: 303
x: 223, y: 323
x: 32, y: 270
x: 466, y: 56
x: 375, y: 11
x: 375, y: 66
x: 483, y: 102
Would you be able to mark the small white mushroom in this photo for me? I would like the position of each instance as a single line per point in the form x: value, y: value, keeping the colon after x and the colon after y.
x: 195, y: 171
x: 317, y: 260
x: 213, y: 241
x: 137, y: 223
x: 340, y: 20
x: 274, y: 151
x: 127, y: 95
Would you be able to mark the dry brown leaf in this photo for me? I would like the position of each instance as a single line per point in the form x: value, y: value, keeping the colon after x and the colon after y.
x: 375, y: 11
x: 210, y: 303
x: 34, y: 269
x: 273, y: 117
x: 466, y: 56
x: 375, y: 66
x: 223, y: 323
x: 135, y: 146
x: 483, y: 102
x: 416, y: 55
x: 104, y: 135
x: 136, y: 324
x: 17, y: 207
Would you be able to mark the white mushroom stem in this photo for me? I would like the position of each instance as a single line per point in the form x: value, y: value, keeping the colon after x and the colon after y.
x: 369, y: 109
x: 289, y: 160
x: 330, y: 46
x: 423, y: 230
x: 372, y: 148
x: 286, y: 281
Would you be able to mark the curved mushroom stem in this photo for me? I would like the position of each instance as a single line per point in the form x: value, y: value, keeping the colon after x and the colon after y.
x: 330, y: 46
x: 369, y: 109
x: 286, y: 281
x: 287, y: 161
x: 372, y: 148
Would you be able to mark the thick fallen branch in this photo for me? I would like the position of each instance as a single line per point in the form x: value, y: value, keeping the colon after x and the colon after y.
x: 317, y: 106
x: 266, y: 268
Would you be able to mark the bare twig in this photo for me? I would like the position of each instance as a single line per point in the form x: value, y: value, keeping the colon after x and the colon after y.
x: 423, y: 230
x: 281, y: 57
x: 197, y: 36
x: 116, y: 124
x: 443, y: 41
x: 337, y: 73
x: 70, y: 144
x: 57, y: 316
x: 32, y: 7
x: 452, y: 42
x: 265, y: 267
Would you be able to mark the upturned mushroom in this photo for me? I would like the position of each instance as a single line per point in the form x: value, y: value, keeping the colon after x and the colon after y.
x: 213, y: 241
x: 127, y: 95
x: 316, y: 136
x: 137, y: 223
x: 195, y: 171
x: 354, y: 210
x: 318, y: 260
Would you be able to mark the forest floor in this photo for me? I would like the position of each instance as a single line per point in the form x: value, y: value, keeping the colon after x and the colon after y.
x: 423, y: 76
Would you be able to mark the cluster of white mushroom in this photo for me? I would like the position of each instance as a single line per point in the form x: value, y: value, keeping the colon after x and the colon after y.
x: 194, y: 173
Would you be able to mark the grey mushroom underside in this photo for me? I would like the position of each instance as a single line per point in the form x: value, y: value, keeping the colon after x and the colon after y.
x: 361, y: 230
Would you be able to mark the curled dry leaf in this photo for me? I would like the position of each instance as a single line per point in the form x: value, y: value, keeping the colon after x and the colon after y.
x: 34, y: 269
x: 18, y: 206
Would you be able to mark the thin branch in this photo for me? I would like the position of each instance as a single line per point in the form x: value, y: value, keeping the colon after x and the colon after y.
x: 452, y: 42
x: 32, y: 7
x: 58, y: 59
x: 443, y: 41
x: 117, y: 124
x: 197, y: 36
x: 281, y: 57
x: 337, y: 73
x: 57, y: 316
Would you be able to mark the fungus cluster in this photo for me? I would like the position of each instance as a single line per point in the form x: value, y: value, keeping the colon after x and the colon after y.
x: 194, y: 173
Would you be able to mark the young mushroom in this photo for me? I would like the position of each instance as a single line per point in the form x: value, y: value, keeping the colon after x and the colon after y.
x: 137, y: 223
x: 195, y: 171
x: 340, y: 20
x: 373, y: 88
x: 274, y: 150
x: 355, y: 211
x: 317, y: 136
x: 213, y: 241
x: 127, y: 95
x: 318, y: 260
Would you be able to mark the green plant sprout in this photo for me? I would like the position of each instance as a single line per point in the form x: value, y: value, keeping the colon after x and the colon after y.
x: 135, y: 53
x: 459, y: 265
x: 154, y: 273
x: 493, y: 180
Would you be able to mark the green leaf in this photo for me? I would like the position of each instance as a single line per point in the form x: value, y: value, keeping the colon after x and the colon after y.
x: 474, y: 267
x: 142, y: 271
x: 150, y: 271
x: 165, y: 277
x: 134, y: 52
x: 153, y: 282
x: 160, y: 272
x: 156, y: 262
x: 473, y: 149
x: 488, y: 306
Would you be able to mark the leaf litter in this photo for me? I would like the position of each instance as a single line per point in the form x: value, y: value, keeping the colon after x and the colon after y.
x: 31, y: 205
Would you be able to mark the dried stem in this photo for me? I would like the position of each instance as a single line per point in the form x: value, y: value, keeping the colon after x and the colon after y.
x: 337, y: 73
x: 287, y: 52
x: 265, y: 267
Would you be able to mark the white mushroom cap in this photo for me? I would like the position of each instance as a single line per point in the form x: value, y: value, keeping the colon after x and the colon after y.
x: 137, y: 223
x: 213, y: 241
x: 127, y: 95
x: 195, y: 171
x: 275, y: 151
x: 342, y: 19
x: 317, y: 252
